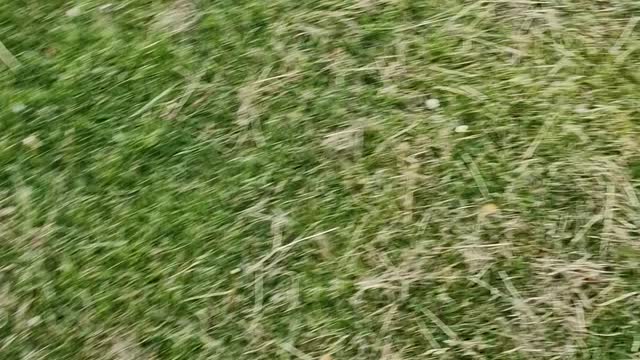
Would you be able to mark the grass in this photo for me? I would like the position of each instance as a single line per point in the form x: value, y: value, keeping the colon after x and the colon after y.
x: 253, y: 179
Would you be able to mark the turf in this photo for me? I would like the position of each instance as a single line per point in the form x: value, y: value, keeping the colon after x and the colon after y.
x: 334, y: 179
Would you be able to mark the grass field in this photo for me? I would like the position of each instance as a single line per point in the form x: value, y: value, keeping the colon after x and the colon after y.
x: 328, y: 179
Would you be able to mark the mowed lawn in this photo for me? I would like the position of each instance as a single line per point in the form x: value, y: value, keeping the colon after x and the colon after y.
x: 327, y: 179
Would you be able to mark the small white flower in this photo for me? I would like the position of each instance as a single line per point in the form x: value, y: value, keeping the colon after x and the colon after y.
x: 461, y: 129
x: 32, y: 142
x: 73, y: 12
x: 432, y: 103
x: 18, y: 108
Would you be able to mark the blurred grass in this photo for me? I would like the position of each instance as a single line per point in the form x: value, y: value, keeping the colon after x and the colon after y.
x: 263, y: 180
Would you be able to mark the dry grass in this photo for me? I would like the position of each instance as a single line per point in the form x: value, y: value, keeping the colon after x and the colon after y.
x: 379, y: 179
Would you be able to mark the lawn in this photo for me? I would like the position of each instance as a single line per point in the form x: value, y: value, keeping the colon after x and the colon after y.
x: 328, y: 179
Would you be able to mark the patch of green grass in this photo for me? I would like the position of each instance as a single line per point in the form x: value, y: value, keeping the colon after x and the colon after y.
x: 264, y: 180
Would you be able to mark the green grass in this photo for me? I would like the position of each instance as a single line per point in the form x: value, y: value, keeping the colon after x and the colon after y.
x: 263, y: 179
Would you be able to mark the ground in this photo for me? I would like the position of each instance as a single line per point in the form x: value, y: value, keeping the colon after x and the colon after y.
x: 328, y: 179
